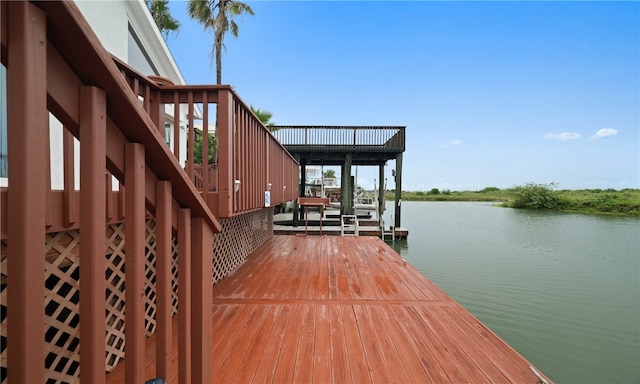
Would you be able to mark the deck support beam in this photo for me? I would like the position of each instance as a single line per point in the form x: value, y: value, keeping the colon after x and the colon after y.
x: 134, y: 262
x: 184, y: 296
x: 346, y: 187
x: 297, y: 212
x: 93, y: 144
x: 163, y: 278
x: 201, y: 301
x: 398, y: 200
x: 381, y: 191
x: 28, y: 135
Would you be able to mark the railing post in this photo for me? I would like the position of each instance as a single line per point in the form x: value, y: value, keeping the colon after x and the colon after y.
x: 93, y: 106
x: 134, y: 263
x: 201, y: 300
x: 226, y: 154
x: 27, y: 134
x: 184, y: 296
x: 163, y: 279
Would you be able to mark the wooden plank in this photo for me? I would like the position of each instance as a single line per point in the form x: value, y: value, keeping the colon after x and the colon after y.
x: 378, y: 366
x: 322, y: 353
x: 254, y: 351
x: 265, y: 370
x: 339, y: 352
x: 285, y: 365
x: 303, y: 367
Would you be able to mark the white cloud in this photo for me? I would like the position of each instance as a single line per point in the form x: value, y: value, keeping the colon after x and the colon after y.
x: 452, y: 143
x: 604, y: 132
x: 563, y: 136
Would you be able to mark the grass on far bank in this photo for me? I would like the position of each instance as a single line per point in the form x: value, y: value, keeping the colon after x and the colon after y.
x: 541, y: 196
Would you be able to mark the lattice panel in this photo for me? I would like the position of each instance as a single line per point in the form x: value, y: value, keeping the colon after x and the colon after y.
x: 240, y: 236
x: 115, y: 295
x: 62, y: 295
x: 150, y: 277
x: 61, y: 300
x: 3, y: 312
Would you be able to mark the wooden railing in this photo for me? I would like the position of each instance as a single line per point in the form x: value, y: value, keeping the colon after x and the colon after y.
x: 57, y: 67
x: 391, y: 139
x: 248, y: 160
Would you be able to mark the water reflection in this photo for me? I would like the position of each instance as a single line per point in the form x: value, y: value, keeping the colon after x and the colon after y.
x: 562, y: 289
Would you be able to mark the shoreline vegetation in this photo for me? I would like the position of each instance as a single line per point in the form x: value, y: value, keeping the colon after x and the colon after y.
x: 541, y: 196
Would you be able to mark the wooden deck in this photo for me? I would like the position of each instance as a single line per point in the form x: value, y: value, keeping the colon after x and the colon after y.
x: 333, y: 309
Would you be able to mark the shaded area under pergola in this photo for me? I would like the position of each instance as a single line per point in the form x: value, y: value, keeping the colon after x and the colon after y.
x: 346, y: 146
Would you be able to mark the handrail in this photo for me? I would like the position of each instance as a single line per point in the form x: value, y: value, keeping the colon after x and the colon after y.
x: 248, y: 160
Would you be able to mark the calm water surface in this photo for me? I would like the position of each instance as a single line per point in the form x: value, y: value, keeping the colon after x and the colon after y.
x: 562, y: 289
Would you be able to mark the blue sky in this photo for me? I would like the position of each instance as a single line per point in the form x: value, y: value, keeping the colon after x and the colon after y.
x: 492, y: 93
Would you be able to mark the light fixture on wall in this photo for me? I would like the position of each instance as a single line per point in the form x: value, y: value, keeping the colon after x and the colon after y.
x: 237, y: 185
x: 284, y: 188
x: 268, y: 186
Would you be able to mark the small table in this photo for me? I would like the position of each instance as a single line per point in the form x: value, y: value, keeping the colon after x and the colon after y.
x: 312, y: 202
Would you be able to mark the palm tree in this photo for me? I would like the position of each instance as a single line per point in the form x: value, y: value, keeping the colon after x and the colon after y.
x: 263, y: 115
x: 163, y: 19
x: 218, y: 15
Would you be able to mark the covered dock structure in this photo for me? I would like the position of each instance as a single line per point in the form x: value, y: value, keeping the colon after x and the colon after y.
x: 346, y: 146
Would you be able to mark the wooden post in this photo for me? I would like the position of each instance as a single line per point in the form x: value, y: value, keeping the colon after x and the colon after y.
x: 201, y: 300
x: 224, y: 130
x: 398, y: 190
x: 298, y: 213
x: 93, y: 145
x: 300, y: 185
x: 184, y: 296
x: 381, y: 201
x: 27, y: 132
x: 346, y: 189
x: 163, y: 279
x: 134, y: 263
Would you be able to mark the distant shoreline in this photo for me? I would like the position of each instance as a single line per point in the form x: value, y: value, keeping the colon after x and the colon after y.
x: 543, y: 197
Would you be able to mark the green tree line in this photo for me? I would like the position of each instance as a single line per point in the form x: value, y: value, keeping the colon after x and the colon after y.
x: 540, y: 196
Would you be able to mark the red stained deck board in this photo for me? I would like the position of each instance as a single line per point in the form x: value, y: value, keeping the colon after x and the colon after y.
x: 328, y: 309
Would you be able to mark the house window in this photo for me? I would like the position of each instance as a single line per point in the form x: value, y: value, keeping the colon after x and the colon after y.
x: 3, y: 121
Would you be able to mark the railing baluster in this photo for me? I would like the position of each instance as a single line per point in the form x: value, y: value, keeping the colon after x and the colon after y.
x: 108, y: 209
x: 176, y: 126
x: 184, y: 296
x: 69, y: 193
x: 163, y: 279
x: 190, y: 137
x: 205, y: 146
x: 28, y: 123
x: 134, y: 263
x: 92, y: 221
x: 201, y: 300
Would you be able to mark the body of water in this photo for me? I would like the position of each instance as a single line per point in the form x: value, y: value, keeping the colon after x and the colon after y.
x: 562, y: 289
